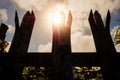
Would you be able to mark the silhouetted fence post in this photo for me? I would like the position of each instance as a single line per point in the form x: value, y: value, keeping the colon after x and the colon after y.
x: 103, y: 42
x: 62, y: 67
x: 101, y: 33
x: 21, y: 40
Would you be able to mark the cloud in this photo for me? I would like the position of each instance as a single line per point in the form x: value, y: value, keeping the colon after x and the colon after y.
x: 114, y: 29
x: 81, y: 8
x: 30, y: 4
x: 36, y: 4
x: 3, y: 15
x: 45, y: 48
x: 79, y: 43
x: 82, y: 39
x: 11, y: 29
x: 82, y: 43
x: 81, y: 36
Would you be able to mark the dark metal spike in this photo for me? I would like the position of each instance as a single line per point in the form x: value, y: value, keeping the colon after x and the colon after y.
x: 33, y: 15
x: 108, y: 18
x: 98, y: 20
x: 16, y: 20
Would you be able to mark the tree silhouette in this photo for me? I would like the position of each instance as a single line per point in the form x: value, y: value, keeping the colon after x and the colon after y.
x: 3, y: 43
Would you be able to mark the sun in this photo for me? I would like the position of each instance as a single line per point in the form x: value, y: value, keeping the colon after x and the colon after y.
x: 58, y: 18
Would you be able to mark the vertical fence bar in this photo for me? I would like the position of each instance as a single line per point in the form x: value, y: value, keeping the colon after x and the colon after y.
x: 62, y: 67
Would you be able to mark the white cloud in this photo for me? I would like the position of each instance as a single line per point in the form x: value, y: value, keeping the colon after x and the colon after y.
x: 3, y: 15
x: 36, y: 4
x: 31, y: 4
x: 79, y: 43
x: 11, y: 29
x: 82, y: 43
x: 45, y: 48
x: 82, y: 39
x: 114, y: 29
x: 81, y: 8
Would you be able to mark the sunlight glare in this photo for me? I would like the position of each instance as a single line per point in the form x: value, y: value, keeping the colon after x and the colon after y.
x: 58, y: 15
x: 58, y: 18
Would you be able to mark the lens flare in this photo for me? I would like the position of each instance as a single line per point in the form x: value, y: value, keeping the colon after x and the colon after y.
x: 58, y: 18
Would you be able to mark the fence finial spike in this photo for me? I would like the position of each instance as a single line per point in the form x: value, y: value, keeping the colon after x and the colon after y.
x: 91, y: 12
x: 33, y: 15
x: 16, y: 20
x: 90, y: 15
x: 108, y: 18
x: 96, y: 12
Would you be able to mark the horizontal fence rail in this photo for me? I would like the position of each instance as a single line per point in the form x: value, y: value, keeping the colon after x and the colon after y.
x: 77, y: 59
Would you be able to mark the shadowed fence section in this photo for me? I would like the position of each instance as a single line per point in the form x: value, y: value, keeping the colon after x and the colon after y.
x: 61, y: 50
x: 104, y: 44
x: 62, y: 59
x: 22, y: 34
x: 101, y: 33
x: 3, y: 43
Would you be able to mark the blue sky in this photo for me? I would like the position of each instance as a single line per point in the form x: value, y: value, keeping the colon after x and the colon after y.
x: 81, y: 37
